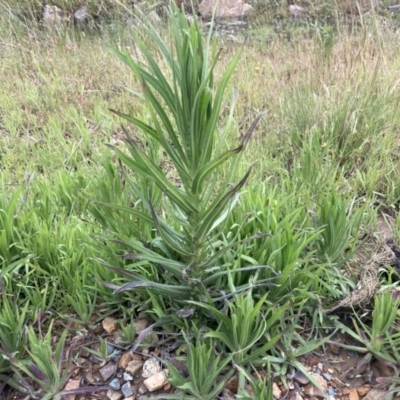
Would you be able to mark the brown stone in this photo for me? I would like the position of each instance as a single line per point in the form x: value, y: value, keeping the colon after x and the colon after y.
x: 311, y: 390
x: 141, y: 323
x: 125, y: 359
x: 134, y: 367
x: 353, y: 395
x: 110, y: 325
x: 313, y: 361
x: 114, y: 394
x: 362, y: 391
x: 276, y: 392
x: 71, y: 384
x: 337, y: 382
x: 225, y: 8
x: 156, y: 381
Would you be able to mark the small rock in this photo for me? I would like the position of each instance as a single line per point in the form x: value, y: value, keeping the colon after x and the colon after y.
x: 297, y: 11
x: 108, y: 370
x: 141, y: 323
x: 124, y: 360
x: 114, y: 394
x: 53, y: 15
x: 362, y: 391
x: 298, y: 396
x: 300, y: 378
x: 313, y: 361
x: 353, y: 395
x: 155, y: 381
x: 130, y: 398
x: 110, y: 325
x: 375, y: 394
x: 115, y: 384
x: 72, y: 384
x: 81, y: 14
x: 116, y: 356
x: 110, y: 349
x: 167, y: 387
x: 134, y: 367
x: 151, y: 367
x: 127, y: 377
x: 327, y: 377
x: 126, y: 389
x: 331, y: 392
x: 94, y: 360
x: 142, y: 389
x: 311, y: 390
x: 338, y: 382
x: 225, y: 8
x: 276, y: 392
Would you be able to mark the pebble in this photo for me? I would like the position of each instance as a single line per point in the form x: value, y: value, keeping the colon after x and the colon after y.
x: 134, y: 367
x: 338, y: 382
x: 114, y: 394
x: 94, y: 360
x: 72, y: 384
x: 311, y: 390
x: 108, y: 370
x: 110, y: 325
x: 151, y: 367
x: 141, y: 323
x: 299, y: 377
x: 127, y: 377
x: 155, y: 381
x: 126, y: 389
x: 327, y: 377
x: 116, y: 356
x: 115, y: 384
x: 362, y: 391
x: 353, y: 395
x: 331, y: 392
x: 125, y: 359
x: 375, y: 394
x: 276, y: 392
x: 110, y: 349
x: 142, y: 389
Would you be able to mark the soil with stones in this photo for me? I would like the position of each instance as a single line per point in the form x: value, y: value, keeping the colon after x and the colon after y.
x: 116, y: 371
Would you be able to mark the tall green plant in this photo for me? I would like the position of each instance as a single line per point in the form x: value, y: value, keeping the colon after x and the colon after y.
x: 184, y: 108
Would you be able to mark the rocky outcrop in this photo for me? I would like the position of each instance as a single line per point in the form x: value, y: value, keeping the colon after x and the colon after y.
x: 224, y: 8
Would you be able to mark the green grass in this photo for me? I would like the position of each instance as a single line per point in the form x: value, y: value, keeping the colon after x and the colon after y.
x: 326, y: 162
